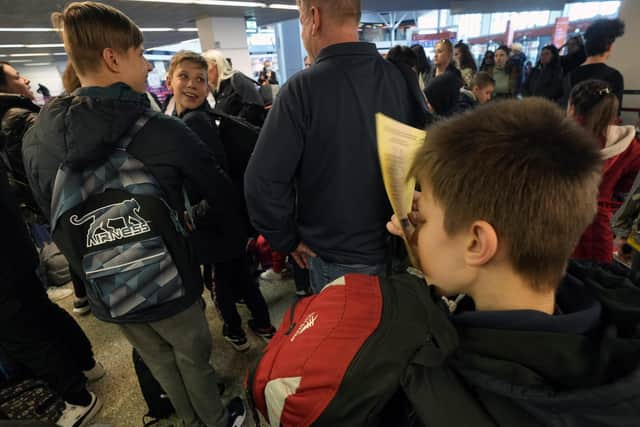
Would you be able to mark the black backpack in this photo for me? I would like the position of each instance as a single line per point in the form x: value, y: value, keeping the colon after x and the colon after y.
x: 158, y: 402
x: 239, y: 139
x: 114, y: 226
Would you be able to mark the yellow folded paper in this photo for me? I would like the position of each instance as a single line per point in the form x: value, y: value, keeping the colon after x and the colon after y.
x: 397, y: 147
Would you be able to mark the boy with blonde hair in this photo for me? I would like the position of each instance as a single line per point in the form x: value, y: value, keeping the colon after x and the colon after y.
x: 163, y: 317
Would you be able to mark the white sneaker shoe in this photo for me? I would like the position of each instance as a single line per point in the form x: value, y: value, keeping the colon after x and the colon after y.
x: 58, y: 294
x: 270, y: 275
x: 79, y: 416
x: 81, y: 306
x: 95, y: 373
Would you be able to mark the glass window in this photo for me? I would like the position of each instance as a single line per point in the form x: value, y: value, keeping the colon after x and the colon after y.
x: 577, y: 11
x: 428, y: 20
x: 469, y: 25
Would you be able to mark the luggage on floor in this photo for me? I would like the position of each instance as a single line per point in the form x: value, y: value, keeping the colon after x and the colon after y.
x: 30, y: 400
x: 338, y: 357
x: 158, y: 402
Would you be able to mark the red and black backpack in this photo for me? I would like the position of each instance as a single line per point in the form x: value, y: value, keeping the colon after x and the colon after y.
x: 339, y: 357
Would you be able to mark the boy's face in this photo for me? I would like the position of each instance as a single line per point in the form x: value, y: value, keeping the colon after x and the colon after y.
x: 441, y: 256
x: 189, y: 85
x: 135, y: 68
x: 483, y: 95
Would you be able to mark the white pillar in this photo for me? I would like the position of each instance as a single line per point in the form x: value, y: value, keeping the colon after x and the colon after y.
x: 227, y: 35
x: 625, y: 56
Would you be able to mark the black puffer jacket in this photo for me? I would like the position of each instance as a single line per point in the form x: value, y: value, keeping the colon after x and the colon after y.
x: 17, y: 115
x: 81, y: 131
x: 212, y: 240
x: 580, y: 367
x: 239, y: 96
x: 545, y: 81
x: 19, y: 258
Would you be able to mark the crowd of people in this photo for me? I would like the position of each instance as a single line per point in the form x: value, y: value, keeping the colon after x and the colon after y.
x: 553, y: 76
x: 151, y: 203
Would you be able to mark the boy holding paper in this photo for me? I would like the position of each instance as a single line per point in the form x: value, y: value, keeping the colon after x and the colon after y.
x: 507, y: 190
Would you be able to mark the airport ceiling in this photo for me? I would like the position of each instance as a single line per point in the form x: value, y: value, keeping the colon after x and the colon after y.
x: 27, y: 14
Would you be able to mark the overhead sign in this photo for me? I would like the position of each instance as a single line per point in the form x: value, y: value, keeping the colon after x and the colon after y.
x: 430, y: 40
x: 560, y: 31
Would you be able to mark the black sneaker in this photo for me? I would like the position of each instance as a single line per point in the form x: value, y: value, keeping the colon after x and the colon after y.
x: 263, y: 332
x: 81, y: 306
x: 236, y: 411
x: 238, y: 340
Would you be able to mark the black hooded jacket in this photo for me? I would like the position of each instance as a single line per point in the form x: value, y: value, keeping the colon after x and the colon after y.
x: 212, y: 240
x: 238, y: 96
x: 17, y: 115
x: 81, y: 130
x: 19, y: 260
x: 545, y: 81
x: 580, y: 367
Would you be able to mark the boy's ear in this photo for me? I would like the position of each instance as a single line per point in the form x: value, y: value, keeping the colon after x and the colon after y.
x: 111, y: 60
x: 482, y: 244
x: 168, y: 81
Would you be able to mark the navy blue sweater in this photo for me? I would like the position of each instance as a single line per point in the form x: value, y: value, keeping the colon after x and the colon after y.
x: 315, y: 175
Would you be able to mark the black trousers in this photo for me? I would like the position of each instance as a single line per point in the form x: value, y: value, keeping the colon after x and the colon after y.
x: 301, y: 277
x: 47, y: 341
x: 79, y: 290
x: 233, y: 278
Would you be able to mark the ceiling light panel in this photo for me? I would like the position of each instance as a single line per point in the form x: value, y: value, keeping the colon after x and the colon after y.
x: 283, y: 6
x: 30, y: 54
x: 37, y: 46
x: 231, y: 3
x: 26, y: 30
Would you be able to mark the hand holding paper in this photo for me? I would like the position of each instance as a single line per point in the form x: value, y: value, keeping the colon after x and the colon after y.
x: 397, y: 147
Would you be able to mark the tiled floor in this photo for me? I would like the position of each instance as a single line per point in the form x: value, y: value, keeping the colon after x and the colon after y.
x: 123, y: 405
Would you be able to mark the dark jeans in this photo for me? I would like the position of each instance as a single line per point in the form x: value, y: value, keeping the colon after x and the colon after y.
x: 235, y: 274
x: 47, y: 341
x: 322, y: 272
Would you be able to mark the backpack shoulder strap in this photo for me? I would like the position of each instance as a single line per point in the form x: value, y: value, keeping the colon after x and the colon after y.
x: 72, y: 187
x: 144, y: 118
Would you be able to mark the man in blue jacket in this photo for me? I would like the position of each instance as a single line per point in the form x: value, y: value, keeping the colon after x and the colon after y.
x: 313, y: 186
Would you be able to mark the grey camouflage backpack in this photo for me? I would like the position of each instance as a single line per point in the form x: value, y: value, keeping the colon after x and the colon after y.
x: 116, y: 229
